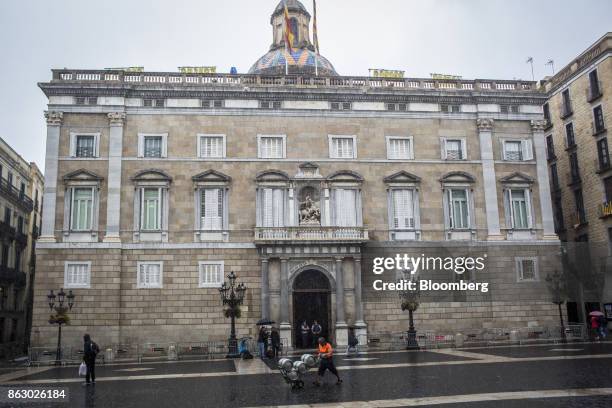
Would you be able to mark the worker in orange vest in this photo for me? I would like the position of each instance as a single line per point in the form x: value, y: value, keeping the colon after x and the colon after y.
x: 326, y: 355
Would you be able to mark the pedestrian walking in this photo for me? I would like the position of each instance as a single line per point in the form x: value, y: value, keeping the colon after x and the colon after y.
x: 326, y: 355
x: 90, y: 351
x: 276, y: 342
x: 603, y: 327
x: 305, y: 330
x: 595, y: 327
x: 316, y: 332
x: 262, y: 339
x: 352, y: 342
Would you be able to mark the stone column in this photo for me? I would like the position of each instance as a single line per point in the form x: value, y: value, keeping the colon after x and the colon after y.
x: 539, y: 143
x: 113, y: 200
x: 485, y: 130
x: 341, y: 327
x: 361, y: 330
x: 265, y: 289
x: 54, y: 122
x: 285, y: 326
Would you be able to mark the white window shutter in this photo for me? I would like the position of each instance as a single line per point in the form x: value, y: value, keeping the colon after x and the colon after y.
x: 164, y: 146
x: 140, y: 145
x: 267, y: 208
x: 463, y: 149
x: 527, y: 146
x: 446, y: 206
x: 73, y: 139
x: 528, y: 206
x: 443, y: 148
x: 508, y: 208
x: 503, y: 149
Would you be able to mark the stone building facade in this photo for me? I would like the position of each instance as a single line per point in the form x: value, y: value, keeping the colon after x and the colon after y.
x: 21, y: 187
x: 577, y: 114
x: 159, y: 184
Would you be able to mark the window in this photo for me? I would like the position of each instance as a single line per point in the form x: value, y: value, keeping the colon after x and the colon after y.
x: 150, y: 274
x: 271, y: 147
x: 402, y: 107
x: 273, y: 207
x: 453, y: 149
x: 7, y: 215
x: 342, y: 147
x: 598, y: 123
x: 608, y: 188
x: 558, y: 210
x: 574, y: 168
x: 450, y: 108
x: 9, y: 178
x: 151, y: 209
x: 459, y: 216
x: 211, y: 146
x: 153, y: 103
x: 550, y: 148
x: 86, y: 100
x: 77, y: 274
x: 569, y: 135
x: 340, y: 106
x: 81, y: 209
x: 580, y: 213
x: 554, y: 176
x: 293, y: 22
x: 518, y: 206
x: 211, y: 274
x: 85, y: 146
x: 211, y: 211
x: 153, y: 145
x: 546, y: 111
x: 509, y: 108
x: 594, y: 88
x: 345, y: 203
x: 527, y: 269
x: 270, y: 104
x: 603, y: 154
x: 517, y: 150
x: 403, y: 202
x: 399, y: 148
x: 566, y: 106
x: 209, y: 103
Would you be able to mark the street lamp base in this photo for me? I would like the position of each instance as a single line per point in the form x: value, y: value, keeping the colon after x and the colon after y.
x: 412, y: 343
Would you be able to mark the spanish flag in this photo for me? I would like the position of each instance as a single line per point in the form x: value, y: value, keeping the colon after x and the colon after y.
x: 289, y: 35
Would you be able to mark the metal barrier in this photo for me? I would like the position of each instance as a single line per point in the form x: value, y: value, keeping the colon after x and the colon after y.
x: 205, y: 350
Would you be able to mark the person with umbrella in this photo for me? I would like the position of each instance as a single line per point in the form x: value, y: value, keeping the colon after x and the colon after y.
x: 262, y: 336
x: 598, y: 324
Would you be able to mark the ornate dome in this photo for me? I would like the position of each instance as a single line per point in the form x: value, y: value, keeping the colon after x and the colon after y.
x: 303, y: 59
x: 302, y: 62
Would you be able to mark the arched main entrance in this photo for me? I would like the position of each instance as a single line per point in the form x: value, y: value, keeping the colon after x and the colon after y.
x: 311, y: 301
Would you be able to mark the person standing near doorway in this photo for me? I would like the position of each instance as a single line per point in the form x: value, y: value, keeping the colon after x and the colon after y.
x: 90, y: 351
x: 276, y: 342
x: 326, y: 354
x: 262, y: 338
x: 305, y: 330
x: 316, y: 332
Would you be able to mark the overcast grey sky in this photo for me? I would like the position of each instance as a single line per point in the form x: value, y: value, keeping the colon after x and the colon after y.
x: 472, y: 38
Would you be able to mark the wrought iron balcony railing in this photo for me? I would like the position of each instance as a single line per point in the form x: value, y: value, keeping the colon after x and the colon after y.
x: 15, y: 195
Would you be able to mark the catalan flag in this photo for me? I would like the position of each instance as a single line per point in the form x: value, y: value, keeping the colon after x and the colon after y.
x: 289, y: 35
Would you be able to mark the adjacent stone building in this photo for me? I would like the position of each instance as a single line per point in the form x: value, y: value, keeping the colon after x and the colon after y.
x: 577, y: 113
x: 21, y: 186
x: 158, y: 184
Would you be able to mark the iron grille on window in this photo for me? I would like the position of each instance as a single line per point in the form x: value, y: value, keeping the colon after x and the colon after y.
x: 153, y: 103
x: 270, y: 104
x: 603, y: 154
x: 509, y: 109
x: 550, y: 148
x: 546, y: 110
x: 569, y: 133
x: 402, y: 107
x: 594, y: 88
x: 86, y: 100
x: 446, y: 108
x: 85, y: 146
x: 153, y: 146
x: 598, y: 124
x: 341, y: 106
x: 212, y: 103
x: 566, y: 106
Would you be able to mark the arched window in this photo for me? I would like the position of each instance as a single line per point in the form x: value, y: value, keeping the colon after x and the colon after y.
x: 294, y: 29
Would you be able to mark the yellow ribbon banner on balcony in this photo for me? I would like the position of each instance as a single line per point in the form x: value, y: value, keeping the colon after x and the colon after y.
x: 198, y: 70
x: 386, y: 73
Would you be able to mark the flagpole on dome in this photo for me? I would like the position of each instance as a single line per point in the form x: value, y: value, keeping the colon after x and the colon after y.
x: 288, y: 38
x: 315, y: 37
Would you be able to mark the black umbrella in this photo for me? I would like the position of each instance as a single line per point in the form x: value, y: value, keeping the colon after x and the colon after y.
x: 265, y: 322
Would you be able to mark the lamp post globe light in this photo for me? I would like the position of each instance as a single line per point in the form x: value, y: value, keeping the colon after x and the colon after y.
x: 232, y: 296
x: 410, y: 302
x: 61, y: 315
x: 558, y: 290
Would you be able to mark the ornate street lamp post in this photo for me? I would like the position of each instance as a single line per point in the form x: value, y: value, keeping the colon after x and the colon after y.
x: 557, y: 288
x: 232, y: 296
x: 410, y: 302
x: 61, y: 315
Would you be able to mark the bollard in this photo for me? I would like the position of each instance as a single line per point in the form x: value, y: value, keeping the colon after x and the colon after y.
x: 459, y: 340
x: 172, y: 352
x: 108, y: 355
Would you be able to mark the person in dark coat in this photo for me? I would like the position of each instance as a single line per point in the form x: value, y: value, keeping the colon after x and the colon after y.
x: 276, y: 341
x: 90, y: 351
x: 262, y: 339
